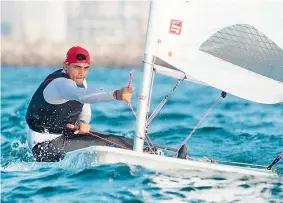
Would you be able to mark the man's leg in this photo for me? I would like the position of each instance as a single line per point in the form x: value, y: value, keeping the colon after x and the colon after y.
x: 55, y: 150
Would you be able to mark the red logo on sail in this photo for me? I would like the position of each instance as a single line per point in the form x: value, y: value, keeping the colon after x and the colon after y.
x: 175, y: 27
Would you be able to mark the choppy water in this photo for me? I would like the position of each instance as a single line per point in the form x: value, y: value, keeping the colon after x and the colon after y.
x: 237, y: 130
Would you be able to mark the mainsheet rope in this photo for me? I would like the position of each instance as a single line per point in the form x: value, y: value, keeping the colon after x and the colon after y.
x: 223, y: 95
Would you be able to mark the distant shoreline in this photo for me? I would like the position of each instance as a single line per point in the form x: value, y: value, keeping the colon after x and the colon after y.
x: 59, y: 66
x: 43, y: 53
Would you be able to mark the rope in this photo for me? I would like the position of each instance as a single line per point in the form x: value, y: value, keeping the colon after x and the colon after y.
x: 109, y: 141
x: 275, y: 161
x: 130, y: 80
x: 240, y: 163
x: 162, y: 103
x: 223, y: 94
x: 149, y: 140
x: 133, y: 111
x: 129, y: 85
x: 149, y: 144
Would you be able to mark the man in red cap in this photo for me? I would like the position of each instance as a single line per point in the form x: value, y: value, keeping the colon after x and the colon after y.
x: 63, y: 98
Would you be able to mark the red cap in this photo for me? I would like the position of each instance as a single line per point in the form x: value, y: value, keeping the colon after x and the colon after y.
x: 74, y: 57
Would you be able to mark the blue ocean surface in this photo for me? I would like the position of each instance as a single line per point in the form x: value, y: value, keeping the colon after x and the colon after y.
x: 236, y: 130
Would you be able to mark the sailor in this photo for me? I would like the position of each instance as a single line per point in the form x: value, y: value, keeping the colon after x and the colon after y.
x: 64, y: 98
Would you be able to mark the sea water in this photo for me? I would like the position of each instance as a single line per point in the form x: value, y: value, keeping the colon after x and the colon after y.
x: 236, y: 130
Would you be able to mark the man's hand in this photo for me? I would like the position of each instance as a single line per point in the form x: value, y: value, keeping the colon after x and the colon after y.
x: 124, y: 94
x: 83, y: 128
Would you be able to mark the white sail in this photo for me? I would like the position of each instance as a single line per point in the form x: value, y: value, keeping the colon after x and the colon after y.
x: 234, y: 46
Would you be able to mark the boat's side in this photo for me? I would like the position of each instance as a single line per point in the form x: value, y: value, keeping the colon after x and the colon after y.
x: 111, y: 155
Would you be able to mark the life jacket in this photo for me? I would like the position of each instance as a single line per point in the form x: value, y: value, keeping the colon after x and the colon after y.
x: 51, y: 118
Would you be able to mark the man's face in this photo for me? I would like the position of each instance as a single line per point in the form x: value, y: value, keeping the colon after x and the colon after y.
x: 77, y: 71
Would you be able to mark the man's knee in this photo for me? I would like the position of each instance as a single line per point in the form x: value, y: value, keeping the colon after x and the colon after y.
x: 43, y: 152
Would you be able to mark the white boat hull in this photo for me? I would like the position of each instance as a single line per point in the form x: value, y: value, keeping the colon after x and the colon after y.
x: 111, y: 155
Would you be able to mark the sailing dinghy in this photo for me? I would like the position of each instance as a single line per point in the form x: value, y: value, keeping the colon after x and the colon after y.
x: 233, y: 46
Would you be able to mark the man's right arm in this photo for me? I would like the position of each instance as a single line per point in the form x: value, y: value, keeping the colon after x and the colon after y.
x: 61, y: 90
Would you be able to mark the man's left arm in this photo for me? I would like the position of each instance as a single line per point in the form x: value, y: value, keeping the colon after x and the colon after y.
x: 85, y: 115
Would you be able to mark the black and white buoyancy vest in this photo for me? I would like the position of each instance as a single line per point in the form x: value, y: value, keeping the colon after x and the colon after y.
x: 44, y: 117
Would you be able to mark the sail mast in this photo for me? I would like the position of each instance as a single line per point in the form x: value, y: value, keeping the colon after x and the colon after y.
x: 144, y: 93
